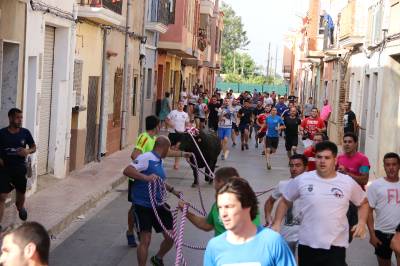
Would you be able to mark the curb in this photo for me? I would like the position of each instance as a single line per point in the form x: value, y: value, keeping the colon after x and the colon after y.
x: 84, y: 207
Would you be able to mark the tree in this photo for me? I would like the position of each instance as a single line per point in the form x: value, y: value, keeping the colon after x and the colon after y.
x: 234, y: 36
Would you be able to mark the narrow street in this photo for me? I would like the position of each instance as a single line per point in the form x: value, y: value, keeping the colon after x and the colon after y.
x: 99, y: 238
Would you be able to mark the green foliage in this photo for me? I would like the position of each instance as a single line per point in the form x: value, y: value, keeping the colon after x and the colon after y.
x: 233, y: 78
x: 234, y: 35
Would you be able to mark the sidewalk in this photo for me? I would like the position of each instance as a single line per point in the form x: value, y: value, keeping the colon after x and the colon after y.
x: 60, y: 203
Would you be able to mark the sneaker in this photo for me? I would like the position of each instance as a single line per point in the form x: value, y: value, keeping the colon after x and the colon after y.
x: 131, y: 240
x: 256, y: 145
x: 268, y: 166
x: 247, y: 146
x: 222, y: 157
x: 23, y: 214
x: 263, y: 153
x: 226, y: 154
x: 233, y: 144
x: 242, y: 147
x: 156, y: 261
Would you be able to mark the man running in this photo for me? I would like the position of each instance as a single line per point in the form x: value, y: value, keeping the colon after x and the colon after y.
x: 213, y: 107
x: 309, y: 152
x: 145, y: 143
x: 290, y: 228
x: 148, y: 167
x: 13, y: 153
x: 281, y: 106
x: 349, y: 120
x: 325, y: 196
x: 177, y: 122
x: 258, y: 110
x: 244, y: 243
x: 235, y: 129
x: 355, y: 164
x: 274, y: 124
x: 383, y: 198
x: 308, y: 107
x: 225, y: 127
x: 245, y: 114
x: 312, y: 125
x: 292, y: 123
x: 212, y: 221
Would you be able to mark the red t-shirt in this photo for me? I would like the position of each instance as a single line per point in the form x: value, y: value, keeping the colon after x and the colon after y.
x: 261, y: 119
x: 311, y: 125
x: 310, y: 154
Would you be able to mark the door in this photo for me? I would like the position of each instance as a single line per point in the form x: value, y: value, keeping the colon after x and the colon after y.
x: 91, y: 120
x: 363, y: 123
x: 45, y: 101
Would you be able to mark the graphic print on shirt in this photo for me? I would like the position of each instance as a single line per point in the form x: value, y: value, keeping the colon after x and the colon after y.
x: 393, y: 196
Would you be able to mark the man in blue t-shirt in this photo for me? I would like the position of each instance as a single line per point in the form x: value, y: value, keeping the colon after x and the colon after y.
x: 14, y: 140
x: 274, y: 124
x: 148, y: 167
x: 244, y: 243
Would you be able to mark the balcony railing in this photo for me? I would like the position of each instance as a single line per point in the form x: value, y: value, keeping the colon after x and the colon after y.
x: 113, y: 5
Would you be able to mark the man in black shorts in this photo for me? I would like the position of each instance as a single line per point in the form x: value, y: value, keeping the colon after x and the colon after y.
x: 13, y: 153
x: 259, y: 109
x: 245, y: 114
x: 292, y: 123
x: 146, y: 168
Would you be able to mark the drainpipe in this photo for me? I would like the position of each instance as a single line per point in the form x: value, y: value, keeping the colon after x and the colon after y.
x: 103, y: 113
x: 141, y: 73
x: 125, y: 94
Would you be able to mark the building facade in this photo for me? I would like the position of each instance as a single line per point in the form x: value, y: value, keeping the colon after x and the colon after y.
x: 354, y: 59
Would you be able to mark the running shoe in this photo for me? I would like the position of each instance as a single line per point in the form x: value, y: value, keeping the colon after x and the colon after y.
x: 256, y: 145
x: 222, y: 157
x: 156, y: 261
x: 263, y: 153
x: 268, y: 166
x: 233, y: 144
x: 247, y: 146
x: 226, y: 154
x: 131, y: 240
x: 23, y: 214
x: 242, y: 147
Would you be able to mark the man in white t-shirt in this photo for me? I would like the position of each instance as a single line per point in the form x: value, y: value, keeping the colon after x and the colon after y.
x: 225, y: 115
x: 290, y: 227
x: 177, y: 121
x: 384, y: 199
x: 325, y: 195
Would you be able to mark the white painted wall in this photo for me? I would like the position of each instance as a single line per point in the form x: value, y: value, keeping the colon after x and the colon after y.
x: 62, y: 81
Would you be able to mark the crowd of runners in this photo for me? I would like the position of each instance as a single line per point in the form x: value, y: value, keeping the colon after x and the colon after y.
x: 327, y: 201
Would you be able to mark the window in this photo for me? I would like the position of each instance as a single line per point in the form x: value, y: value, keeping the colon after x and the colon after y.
x: 149, y: 83
x: 134, y: 94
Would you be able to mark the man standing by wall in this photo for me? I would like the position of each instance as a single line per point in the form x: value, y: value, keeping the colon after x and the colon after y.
x: 13, y: 169
x: 349, y: 120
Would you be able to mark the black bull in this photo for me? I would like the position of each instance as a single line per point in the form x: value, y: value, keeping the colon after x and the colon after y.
x: 209, y: 145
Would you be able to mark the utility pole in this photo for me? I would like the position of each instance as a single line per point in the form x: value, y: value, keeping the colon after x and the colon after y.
x: 269, y: 54
x: 276, y: 59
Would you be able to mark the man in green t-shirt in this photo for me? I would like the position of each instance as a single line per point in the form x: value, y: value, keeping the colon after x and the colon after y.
x: 145, y: 143
x: 213, y: 221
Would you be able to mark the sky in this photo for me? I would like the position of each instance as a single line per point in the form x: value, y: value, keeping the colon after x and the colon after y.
x: 267, y: 21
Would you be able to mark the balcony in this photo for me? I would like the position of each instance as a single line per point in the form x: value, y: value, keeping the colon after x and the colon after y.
x: 350, y: 32
x: 207, y: 7
x: 107, y: 12
x: 159, y: 16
